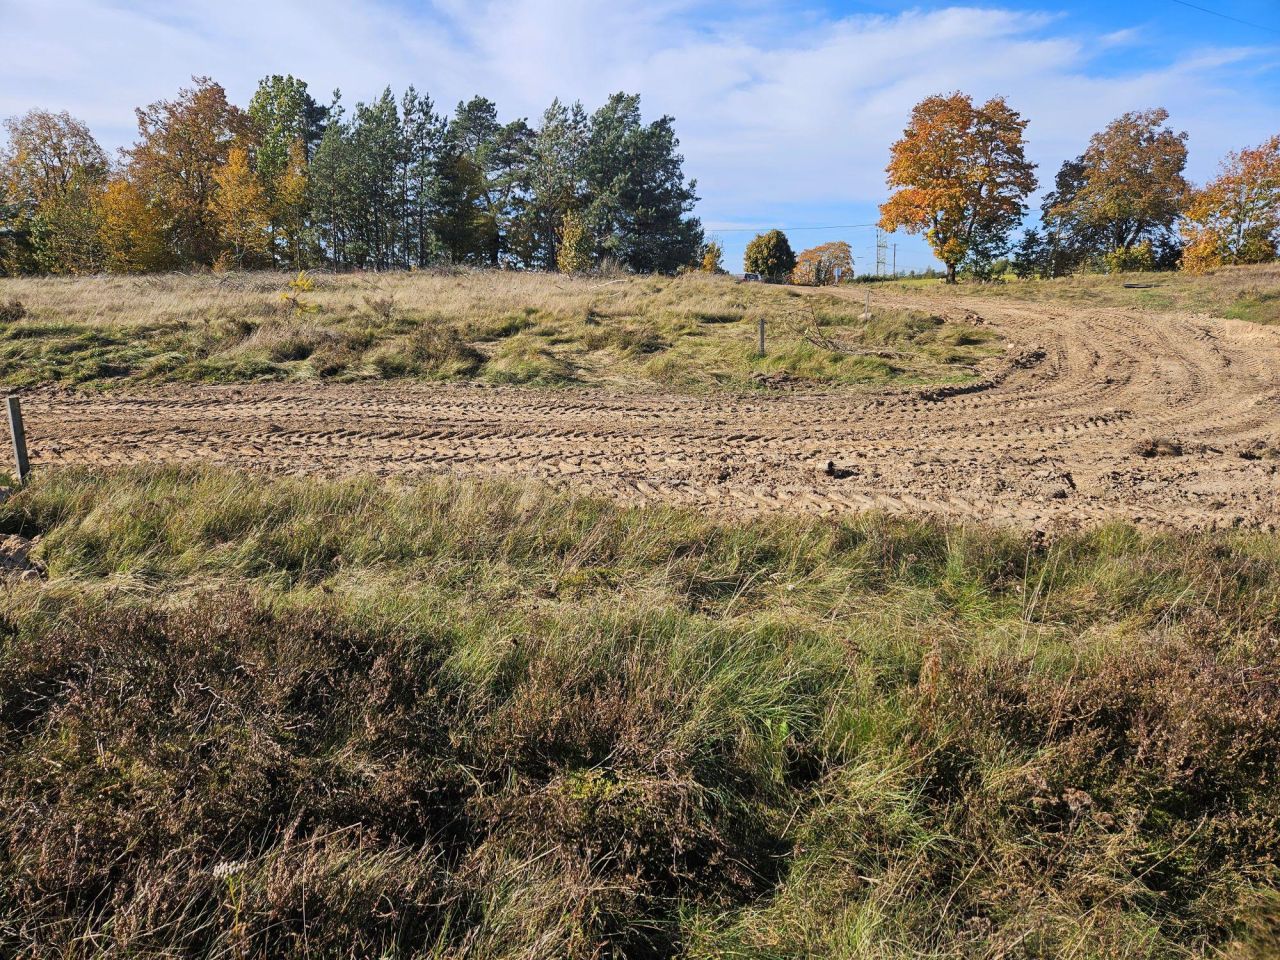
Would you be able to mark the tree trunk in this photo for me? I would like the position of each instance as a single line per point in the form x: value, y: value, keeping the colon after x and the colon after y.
x: 951, y: 273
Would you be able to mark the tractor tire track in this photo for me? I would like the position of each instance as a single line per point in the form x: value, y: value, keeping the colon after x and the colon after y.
x: 1049, y: 437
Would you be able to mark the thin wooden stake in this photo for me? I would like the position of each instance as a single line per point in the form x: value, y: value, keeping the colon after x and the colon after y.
x: 760, y: 349
x: 19, y: 438
x: 867, y: 313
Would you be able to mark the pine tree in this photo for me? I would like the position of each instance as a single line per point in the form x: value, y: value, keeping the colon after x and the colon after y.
x: 284, y: 116
x: 639, y: 201
x: 422, y: 133
x: 329, y: 191
x: 553, y: 183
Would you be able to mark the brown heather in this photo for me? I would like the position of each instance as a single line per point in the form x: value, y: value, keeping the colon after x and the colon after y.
x: 251, y: 717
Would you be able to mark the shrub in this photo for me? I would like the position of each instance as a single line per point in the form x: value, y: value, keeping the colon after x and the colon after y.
x: 574, y: 254
x: 469, y: 720
x: 12, y: 312
x: 1136, y: 259
x: 439, y: 349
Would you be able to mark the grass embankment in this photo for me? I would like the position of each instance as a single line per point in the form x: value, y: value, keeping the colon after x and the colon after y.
x: 687, y: 332
x: 1240, y: 293
x: 250, y: 717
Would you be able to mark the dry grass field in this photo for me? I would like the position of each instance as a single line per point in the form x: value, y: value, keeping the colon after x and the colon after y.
x: 690, y: 332
x: 548, y: 652
x: 1241, y: 293
x: 1029, y: 405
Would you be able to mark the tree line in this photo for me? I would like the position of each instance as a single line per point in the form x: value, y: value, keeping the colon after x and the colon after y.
x: 389, y: 184
x: 959, y: 174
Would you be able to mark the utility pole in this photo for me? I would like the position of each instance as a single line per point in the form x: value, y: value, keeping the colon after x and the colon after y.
x: 895, y: 261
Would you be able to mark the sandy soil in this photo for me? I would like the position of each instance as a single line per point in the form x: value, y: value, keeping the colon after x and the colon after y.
x: 1093, y: 414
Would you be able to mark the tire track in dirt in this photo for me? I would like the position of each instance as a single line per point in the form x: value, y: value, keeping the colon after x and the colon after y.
x: 1049, y: 437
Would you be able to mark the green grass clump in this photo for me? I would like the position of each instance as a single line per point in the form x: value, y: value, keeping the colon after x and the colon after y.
x: 248, y: 716
x: 1257, y: 308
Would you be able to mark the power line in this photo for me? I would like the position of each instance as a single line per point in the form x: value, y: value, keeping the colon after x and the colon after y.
x: 838, y: 226
x: 1225, y: 16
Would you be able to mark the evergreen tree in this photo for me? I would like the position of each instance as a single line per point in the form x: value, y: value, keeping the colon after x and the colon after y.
x: 482, y: 164
x: 553, y: 184
x: 422, y: 132
x: 329, y: 190
x: 286, y: 120
x: 375, y: 161
x: 1033, y: 256
x: 389, y: 184
x: 639, y: 197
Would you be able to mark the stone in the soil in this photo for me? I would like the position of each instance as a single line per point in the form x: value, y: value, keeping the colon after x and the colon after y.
x: 15, y: 559
x: 1158, y: 447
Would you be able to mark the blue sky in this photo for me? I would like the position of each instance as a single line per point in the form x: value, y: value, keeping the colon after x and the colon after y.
x: 785, y: 111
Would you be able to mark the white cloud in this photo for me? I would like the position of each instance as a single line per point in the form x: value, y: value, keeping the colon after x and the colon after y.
x: 777, y: 110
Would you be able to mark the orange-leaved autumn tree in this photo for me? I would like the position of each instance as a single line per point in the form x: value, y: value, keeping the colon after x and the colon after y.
x: 241, y: 211
x: 823, y: 265
x: 960, y: 175
x: 1125, y: 190
x: 181, y: 145
x: 1236, y: 217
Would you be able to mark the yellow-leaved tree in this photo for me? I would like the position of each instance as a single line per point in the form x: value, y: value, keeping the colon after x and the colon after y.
x: 131, y: 230
x: 241, y: 211
x: 574, y: 255
x: 959, y: 174
x: 712, y: 260
x: 291, y: 205
x: 52, y: 173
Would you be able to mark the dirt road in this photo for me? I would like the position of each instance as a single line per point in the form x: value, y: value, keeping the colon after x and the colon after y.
x: 1093, y: 414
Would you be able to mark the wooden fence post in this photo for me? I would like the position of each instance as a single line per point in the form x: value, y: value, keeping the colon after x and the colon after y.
x: 19, y: 438
x: 760, y: 348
